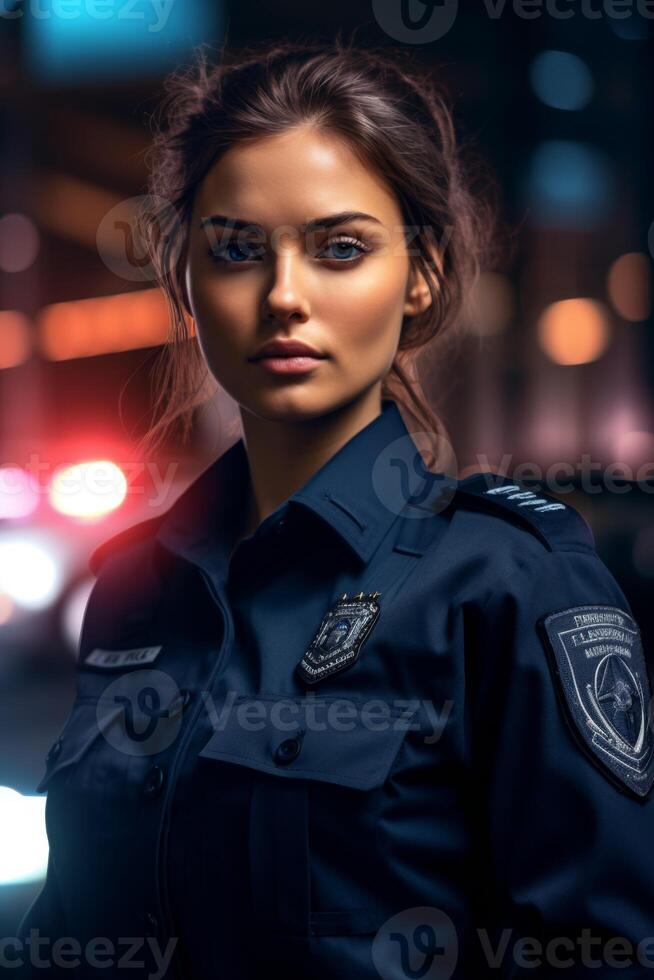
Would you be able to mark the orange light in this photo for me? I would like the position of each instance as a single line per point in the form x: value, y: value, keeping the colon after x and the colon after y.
x: 574, y: 331
x: 15, y: 338
x: 102, y: 325
x: 71, y: 207
x: 88, y: 490
x: 629, y: 286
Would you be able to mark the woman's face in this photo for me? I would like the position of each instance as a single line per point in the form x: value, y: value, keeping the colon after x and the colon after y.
x: 342, y: 288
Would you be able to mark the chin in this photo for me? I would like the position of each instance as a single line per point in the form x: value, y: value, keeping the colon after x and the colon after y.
x: 294, y: 404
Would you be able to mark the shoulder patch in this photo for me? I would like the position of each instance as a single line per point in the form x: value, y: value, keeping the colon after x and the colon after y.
x: 596, y: 655
x: 558, y: 525
x: 124, y: 538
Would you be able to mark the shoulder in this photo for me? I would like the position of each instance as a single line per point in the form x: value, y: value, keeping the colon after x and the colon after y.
x: 501, y: 509
x: 135, y: 536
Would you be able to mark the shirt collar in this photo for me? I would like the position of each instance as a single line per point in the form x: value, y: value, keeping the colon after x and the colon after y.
x: 349, y: 492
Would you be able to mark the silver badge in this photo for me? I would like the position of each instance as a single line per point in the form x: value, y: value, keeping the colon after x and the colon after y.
x: 339, y: 639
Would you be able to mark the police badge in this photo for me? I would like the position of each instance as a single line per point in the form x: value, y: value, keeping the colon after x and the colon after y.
x: 596, y: 653
x: 342, y: 632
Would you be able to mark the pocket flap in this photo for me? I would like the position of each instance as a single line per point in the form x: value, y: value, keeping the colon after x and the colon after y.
x: 335, y: 740
x: 80, y: 731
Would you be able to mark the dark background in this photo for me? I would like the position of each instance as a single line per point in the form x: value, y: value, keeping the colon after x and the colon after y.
x: 569, y: 142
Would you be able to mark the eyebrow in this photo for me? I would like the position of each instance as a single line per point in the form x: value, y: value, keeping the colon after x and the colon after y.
x: 316, y: 224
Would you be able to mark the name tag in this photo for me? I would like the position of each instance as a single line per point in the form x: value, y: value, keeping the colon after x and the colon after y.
x: 122, y: 658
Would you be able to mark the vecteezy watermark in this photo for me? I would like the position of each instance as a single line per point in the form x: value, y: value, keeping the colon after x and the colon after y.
x: 425, y: 21
x: 423, y: 942
x: 562, y: 952
x: 100, y: 952
x: 153, y: 13
x: 140, y: 712
x: 593, y: 476
x: 120, y: 241
x: 339, y: 714
x: 95, y: 478
x: 405, y: 485
x: 249, y: 240
x: 402, y: 482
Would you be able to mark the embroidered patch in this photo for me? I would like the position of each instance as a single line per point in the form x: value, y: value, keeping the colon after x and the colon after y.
x: 337, y: 644
x: 596, y: 652
x: 122, y: 658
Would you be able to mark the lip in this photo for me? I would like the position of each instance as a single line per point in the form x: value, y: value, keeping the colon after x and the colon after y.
x: 288, y: 365
x: 287, y: 348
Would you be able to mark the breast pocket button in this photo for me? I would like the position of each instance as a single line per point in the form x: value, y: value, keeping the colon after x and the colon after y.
x: 287, y: 750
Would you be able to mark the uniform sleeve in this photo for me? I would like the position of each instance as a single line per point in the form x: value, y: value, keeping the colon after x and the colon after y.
x: 43, y: 920
x: 562, y: 764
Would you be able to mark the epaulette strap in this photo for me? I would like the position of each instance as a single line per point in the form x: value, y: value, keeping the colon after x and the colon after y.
x: 558, y: 525
x: 125, y: 537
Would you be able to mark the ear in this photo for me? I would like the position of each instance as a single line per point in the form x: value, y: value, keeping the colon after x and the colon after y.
x: 418, y: 297
x: 183, y: 281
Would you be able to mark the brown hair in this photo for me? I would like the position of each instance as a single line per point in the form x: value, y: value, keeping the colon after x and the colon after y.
x: 391, y: 114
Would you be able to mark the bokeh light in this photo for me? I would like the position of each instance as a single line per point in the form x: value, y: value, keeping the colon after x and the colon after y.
x: 88, y: 490
x: 29, y: 573
x: 574, y: 331
x: 561, y: 80
x: 629, y: 284
x: 15, y: 338
x: 19, y: 493
x: 23, y: 838
x: 19, y: 242
x: 569, y: 185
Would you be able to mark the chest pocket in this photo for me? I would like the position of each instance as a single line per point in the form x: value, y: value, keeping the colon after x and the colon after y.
x: 107, y: 744
x: 318, y: 782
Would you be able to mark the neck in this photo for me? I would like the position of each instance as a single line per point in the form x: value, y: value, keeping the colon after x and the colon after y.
x: 284, y: 455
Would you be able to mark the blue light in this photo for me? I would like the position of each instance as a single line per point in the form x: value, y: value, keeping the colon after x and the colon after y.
x: 633, y: 28
x: 569, y: 184
x: 561, y: 80
x: 73, y: 41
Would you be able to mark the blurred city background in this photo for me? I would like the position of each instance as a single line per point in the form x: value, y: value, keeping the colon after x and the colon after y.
x: 556, y: 365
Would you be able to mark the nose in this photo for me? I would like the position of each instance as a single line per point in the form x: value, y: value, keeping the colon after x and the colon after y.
x: 287, y: 295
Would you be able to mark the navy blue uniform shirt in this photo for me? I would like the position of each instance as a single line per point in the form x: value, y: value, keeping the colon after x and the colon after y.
x: 403, y: 730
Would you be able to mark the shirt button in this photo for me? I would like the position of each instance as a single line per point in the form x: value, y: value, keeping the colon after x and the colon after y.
x: 55, y: 750
x: 154, y: 781
x: 287, y: 750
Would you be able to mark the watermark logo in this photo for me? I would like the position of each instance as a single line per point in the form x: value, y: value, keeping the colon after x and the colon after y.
x: 416, y: 21
x: 140, y: 713
x: 120, y: 241
x: 421, y: 943
x: 402, y: 481
x: 425, y: 21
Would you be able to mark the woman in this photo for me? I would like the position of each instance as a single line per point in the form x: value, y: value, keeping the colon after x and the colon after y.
x: 357, y: 719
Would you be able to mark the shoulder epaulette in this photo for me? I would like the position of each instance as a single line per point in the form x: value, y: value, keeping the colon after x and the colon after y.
x: 558, y: 525
x: 128, y: 536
